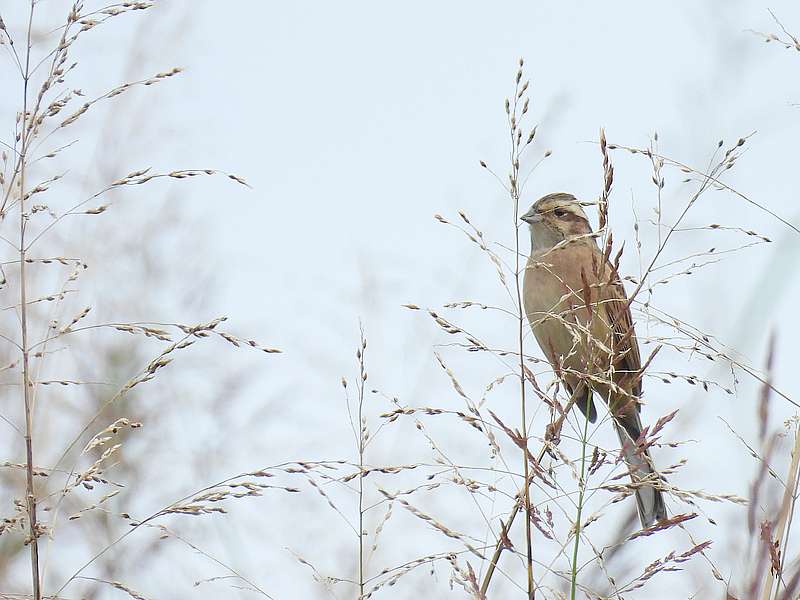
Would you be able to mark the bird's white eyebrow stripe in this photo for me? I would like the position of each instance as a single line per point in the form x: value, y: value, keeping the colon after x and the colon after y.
x: 567, y: 209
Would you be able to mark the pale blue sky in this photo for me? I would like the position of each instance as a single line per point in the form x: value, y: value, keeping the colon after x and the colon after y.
x: 355, y: 123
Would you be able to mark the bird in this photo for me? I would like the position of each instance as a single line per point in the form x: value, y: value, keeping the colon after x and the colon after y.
x: 580, y: 316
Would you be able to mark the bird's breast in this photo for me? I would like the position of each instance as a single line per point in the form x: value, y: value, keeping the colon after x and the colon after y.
x: 552, y: 295
x: 549, y: 285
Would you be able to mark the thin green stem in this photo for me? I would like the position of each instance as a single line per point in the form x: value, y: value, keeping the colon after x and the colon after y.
x: 581, y: 491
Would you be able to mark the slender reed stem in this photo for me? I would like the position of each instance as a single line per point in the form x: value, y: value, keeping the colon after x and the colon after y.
x: 785, y: 513
x: 506, y: 526
x: 581, y: 490
x: 526, y: 467
x: 512, y: 112
x: 362, y: 377
x: 30, y: 491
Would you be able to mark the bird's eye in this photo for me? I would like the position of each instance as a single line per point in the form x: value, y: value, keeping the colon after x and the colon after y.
x: 559, y: 212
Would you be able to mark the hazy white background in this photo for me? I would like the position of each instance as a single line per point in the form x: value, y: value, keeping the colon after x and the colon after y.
x: 355, y: 123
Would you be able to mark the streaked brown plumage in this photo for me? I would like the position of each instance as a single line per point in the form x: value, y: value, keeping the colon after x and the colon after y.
x: 579, y: 313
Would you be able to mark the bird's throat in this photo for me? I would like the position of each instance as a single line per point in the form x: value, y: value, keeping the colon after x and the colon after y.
x: 544, y: 237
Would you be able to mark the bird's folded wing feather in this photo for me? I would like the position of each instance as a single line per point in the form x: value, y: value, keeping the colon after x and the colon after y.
x: 615, y: 302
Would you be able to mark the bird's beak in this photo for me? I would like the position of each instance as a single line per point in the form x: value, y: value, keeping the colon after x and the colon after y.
x: 531, y: 217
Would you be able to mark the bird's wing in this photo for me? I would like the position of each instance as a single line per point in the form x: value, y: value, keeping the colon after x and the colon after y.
x: 615, y: 302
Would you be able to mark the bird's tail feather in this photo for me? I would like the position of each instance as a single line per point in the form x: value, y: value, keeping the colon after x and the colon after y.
x: 649, y: 498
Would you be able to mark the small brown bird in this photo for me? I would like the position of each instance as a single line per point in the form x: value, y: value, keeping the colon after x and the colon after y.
x: 579, y: 313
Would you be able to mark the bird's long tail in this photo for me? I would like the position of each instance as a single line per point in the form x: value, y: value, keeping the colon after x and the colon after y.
x: 649, y: 498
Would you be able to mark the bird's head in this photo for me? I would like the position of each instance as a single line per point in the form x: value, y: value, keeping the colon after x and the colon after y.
x: 554, y: 218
